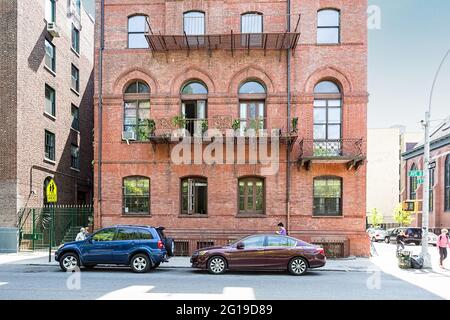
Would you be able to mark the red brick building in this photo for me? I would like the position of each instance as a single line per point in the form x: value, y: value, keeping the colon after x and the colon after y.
x: 439, y: 178
x: 46, y: 104
x: 223, y: 65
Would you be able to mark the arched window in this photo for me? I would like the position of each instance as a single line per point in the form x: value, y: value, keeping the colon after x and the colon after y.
x: 194, y: 87
x: 137, y: 27
x: 136, y: 195
x: 251, y: 87
x: 328, y: 26
x: 413, y: 184
x: 252, y: 29
x: 326, y: 87
x: 194, y: 195
x: 137, y: 110
x: 447, y: 183
x: 327, y: 119
x: 194, y: 23
x: 327, y: 196
x: 46, y: 182
x: 252, y: 100
x: 251, y: 195
x: 194, y: 95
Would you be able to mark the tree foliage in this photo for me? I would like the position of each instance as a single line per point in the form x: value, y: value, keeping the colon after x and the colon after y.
x: 402, y: 217
x: 375, y: 218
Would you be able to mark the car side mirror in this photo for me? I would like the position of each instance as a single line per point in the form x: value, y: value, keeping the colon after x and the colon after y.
x: 240, y: 246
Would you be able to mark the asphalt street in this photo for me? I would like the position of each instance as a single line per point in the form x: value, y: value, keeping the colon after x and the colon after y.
x: 27, y: 281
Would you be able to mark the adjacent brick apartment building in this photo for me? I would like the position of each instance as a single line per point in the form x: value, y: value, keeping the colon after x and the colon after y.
x: 439, y: 178
x: 46, y: 97
x: 296, y: 67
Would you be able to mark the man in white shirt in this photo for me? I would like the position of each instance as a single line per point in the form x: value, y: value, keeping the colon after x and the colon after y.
x: 81, y: 235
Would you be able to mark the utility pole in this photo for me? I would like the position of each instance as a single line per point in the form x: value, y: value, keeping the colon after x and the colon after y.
x: 426, y: 173
x: 426, y: 193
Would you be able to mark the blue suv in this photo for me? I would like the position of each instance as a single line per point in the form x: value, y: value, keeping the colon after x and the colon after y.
x: 140, y: 247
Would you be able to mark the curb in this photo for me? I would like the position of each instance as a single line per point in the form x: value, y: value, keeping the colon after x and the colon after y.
x: 188, y: 267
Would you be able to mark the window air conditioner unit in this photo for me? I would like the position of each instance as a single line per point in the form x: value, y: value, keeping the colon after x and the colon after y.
x: 53, y: 29
x: 129, y: 135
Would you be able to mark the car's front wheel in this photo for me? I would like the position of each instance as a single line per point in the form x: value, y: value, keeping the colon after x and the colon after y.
x: 140, y: 263
x: 217, y: 265
x: 374, y: 239
x: 298, y: 266
x: 387, y: 240
x: 69, y: 261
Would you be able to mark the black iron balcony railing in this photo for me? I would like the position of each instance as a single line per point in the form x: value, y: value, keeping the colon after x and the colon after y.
x: 166, y: 129
x: 345, y: 148
x: 210, y: 34
x: 350, y: 151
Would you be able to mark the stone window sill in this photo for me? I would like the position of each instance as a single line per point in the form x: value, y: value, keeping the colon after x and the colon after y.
x: 185, y: 215
x: 53, y: 162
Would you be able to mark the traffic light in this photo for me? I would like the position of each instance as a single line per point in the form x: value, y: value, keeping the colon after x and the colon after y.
x: 409, y: 205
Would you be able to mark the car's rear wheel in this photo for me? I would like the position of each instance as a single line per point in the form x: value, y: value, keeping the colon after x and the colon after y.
x: 140, y: 263
x: 386, y: 240
x: 69, y: 261
x: 298, y: 266
x: 217, y: 265
x: 374, y: 239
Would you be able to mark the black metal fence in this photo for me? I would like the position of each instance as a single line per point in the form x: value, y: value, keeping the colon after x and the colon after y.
x: 50, y: 226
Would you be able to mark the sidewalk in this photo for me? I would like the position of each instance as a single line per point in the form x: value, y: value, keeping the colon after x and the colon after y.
x: 41, y: 259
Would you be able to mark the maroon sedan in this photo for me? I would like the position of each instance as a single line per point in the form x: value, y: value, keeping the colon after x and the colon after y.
x: 261, y: 252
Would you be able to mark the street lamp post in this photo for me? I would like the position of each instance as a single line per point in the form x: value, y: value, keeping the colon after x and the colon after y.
x: 426, y: 174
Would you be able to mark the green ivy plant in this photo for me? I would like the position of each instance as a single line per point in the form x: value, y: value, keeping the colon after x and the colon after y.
x: 236, y: 124
x: 294, y: 127
x: 204, y: 125
x: 179, y: 121
x: 146, y: 129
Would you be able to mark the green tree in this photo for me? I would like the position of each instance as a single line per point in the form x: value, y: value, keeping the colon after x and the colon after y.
x: 375, y: 218
x: 402, y: 217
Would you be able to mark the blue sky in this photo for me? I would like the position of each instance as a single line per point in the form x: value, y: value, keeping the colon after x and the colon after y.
x: 403, y: 58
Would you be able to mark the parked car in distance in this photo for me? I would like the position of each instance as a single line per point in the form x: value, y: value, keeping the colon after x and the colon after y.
x: 414, y: 235
x: 261, y: 252
x: 140, y: 247
x: 389, y: 234
x: 376, y: 234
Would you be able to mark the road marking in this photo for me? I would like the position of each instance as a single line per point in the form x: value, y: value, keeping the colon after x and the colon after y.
x: 142, y: 293
x: 3, y: 283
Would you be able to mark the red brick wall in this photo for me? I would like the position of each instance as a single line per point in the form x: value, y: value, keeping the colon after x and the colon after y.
x: 222, y: 73
x: 439, y: 218
x: 22, y: 81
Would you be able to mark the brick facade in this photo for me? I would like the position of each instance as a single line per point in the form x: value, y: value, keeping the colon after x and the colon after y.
x: 439, y: 216
x: 22, y: 80
x: 222, y: 71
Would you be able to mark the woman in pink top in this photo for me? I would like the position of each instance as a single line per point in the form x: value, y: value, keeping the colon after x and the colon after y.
x: 443, y: 242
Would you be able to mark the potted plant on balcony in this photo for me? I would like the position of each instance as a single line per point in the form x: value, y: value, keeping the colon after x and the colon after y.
x: 294, y: 125
x: 204, y: 125
x: 179, y: 121
x: 146, y: 128
x: 236, y: 125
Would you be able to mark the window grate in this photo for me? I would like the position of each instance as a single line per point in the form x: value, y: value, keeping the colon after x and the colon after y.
x: 204, y: 244
x: 181, y: 248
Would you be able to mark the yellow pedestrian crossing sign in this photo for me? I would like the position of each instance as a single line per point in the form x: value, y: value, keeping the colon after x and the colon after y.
x: 51, y: 192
